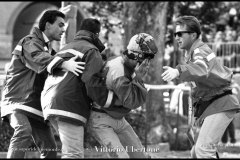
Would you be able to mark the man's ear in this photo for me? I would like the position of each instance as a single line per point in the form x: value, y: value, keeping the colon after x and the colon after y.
x: 194, y: 35
x: 47, y: 26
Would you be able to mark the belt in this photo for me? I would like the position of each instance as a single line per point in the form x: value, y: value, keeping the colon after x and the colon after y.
x: 201, y: 106
x: 221, y: 95
x: 98, y: 110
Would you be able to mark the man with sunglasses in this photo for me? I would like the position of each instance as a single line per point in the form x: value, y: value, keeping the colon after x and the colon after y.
x: 213, y: 102
x: 124, y: 79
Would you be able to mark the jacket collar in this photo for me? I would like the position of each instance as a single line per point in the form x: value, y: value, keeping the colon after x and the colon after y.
x: 198, y: 43
x: 90, y: 37
x: 45, y: 38
x: 39, y: 34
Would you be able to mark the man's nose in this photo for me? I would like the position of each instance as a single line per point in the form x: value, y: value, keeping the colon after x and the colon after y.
x: 64, y: 28
x: 176, y: 37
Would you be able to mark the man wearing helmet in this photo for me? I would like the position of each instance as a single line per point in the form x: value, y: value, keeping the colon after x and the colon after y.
x: 124, y: 80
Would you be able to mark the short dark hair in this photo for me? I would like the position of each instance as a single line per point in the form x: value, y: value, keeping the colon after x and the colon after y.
x: 91, y: 25
x: 49, y: 16
x: 191, y: 23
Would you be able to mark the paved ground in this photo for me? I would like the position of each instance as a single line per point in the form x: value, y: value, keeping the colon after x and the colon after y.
x: 231, y: 151
x: 225, y: 150
x: 164, y: 155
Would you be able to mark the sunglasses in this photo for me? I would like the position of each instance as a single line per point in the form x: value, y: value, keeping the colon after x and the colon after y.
x: 138, y: 56
x: 179, y: 34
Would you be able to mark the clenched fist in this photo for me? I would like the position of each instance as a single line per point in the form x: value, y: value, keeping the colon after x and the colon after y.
x: 142, y: 69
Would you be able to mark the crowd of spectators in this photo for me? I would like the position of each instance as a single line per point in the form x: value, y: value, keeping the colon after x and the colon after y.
x: 228, y: 34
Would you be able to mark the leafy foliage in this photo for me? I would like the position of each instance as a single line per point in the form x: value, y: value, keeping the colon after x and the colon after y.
x: 108, y: 12
x: 5, y: 136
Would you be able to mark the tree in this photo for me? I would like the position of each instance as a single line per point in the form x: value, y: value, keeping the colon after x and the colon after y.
x: 110, y: 13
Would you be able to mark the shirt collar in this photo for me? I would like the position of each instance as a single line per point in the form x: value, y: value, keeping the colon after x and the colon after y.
x: 45, y: 38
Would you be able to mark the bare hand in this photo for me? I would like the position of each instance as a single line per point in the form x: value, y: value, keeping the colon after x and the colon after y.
x: 73, y: 66
x: 169, y: 74
x: 70, y: 11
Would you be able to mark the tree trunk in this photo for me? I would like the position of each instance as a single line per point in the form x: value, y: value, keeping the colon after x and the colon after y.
x: 150, y: 17
x: 131, y: 19
x: 158, y: 127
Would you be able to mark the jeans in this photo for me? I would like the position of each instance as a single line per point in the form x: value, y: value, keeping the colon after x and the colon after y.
x: 116, y: 136
x: 72, y: 138
x: 26, y: 130
x: 211, y: 133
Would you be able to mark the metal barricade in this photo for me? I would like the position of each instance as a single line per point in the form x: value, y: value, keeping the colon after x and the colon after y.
x: 228, y: 54
x: 180, y: 101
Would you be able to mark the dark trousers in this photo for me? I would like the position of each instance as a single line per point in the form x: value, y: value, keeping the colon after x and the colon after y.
x: 26, y: 131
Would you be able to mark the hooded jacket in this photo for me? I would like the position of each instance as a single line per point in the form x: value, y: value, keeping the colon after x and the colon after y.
x: 25, y: 77
x: 69, y: 97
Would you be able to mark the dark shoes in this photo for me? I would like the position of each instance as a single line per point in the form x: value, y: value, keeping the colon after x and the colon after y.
x: 233, y: 140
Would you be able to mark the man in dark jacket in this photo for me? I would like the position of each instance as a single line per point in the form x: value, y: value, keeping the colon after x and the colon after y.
x: 65, y: 100
x: 32, y: 58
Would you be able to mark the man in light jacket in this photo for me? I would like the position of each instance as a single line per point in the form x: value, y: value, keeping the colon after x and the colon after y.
x: 214, y: 104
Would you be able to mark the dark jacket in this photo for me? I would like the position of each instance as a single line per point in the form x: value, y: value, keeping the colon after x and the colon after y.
x: 26, y: 76
x: 65, y: 95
